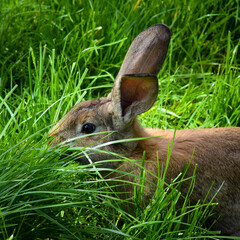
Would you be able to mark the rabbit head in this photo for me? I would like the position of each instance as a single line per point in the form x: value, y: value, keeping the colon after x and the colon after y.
x: 112, y: 118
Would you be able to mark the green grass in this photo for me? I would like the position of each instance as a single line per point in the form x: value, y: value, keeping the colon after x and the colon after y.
x: 54, y: 54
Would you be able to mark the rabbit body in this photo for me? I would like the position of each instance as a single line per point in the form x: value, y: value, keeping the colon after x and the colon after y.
x: 215, y: 151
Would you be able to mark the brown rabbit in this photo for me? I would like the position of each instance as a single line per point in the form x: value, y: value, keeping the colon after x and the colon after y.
x: 215, y: 151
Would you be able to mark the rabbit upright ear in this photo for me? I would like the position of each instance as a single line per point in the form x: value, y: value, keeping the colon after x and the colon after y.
x: 133, y: 95
x: 136, y: 85
x: 147, y: 52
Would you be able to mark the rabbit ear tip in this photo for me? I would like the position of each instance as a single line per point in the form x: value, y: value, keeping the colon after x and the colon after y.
x: 161, y: 27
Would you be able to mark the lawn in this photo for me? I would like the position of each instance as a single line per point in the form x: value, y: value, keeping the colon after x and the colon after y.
x: 54, y: 54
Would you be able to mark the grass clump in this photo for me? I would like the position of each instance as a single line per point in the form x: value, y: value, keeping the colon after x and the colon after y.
x: 54, y: 54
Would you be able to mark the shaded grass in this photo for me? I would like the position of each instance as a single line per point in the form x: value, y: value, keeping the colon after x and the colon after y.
x: 200, y: 31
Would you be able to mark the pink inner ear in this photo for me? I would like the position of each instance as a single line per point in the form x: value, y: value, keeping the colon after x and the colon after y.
x: 133, y: 90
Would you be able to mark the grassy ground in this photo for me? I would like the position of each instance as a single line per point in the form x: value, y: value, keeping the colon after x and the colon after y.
x: 56, y: 53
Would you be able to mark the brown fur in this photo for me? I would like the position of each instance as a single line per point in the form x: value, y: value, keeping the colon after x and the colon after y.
x: 216, y: 152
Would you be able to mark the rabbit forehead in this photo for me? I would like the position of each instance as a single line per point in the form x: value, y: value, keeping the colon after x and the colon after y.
x: 81, y: 113
x: 93, y: 110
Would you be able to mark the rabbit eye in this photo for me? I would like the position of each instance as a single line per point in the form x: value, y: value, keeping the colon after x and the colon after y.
x: 88, y: 128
